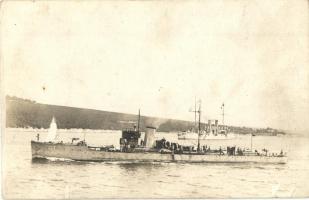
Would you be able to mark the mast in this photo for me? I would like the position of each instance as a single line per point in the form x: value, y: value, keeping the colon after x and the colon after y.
x: 199, y: 127
x: 195, y: 114
x: 199, y: 123
x: 252, y: 135
x: 222, y: 107
x: 195, y: 111
x: 139, y: 118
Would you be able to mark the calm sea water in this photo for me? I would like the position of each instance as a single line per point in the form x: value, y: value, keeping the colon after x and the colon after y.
x: 23, y: 178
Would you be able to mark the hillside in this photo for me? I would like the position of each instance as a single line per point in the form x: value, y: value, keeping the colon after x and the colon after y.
x: 23, y: 113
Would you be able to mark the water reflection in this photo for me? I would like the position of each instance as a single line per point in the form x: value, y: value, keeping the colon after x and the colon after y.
x: 141, y: 166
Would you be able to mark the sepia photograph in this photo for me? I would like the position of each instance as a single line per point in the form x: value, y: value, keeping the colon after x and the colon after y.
x: 154, y: 99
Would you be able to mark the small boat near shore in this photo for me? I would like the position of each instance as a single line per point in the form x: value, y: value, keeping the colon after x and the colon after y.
x: 134, y: 148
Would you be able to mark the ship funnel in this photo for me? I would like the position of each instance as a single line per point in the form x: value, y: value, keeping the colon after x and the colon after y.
x: 209, y: 126
x: 216, y: 125
x: 150, y: 137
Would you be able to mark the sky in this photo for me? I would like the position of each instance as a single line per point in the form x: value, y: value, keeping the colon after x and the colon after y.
x: 159, y: 56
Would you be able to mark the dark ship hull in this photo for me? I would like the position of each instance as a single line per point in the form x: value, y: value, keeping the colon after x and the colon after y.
x: 86, y: 153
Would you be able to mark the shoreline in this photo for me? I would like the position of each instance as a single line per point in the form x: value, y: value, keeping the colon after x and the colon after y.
x: 80, y: 130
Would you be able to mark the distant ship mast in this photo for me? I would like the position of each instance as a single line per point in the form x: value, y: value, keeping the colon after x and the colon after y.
x: 139, y: 118
x: 195, y: 111
x: 222, y: 107
x: 199, y: 125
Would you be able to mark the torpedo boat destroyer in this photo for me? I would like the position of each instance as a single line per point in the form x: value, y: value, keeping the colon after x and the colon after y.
x: 134, y: 148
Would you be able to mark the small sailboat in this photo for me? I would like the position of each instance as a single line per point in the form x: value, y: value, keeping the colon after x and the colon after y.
x: 52, y: 135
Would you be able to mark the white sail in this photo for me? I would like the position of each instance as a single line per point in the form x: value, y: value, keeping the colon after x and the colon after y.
x: 52, y: 131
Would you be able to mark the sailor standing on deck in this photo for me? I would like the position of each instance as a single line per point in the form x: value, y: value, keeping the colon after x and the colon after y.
x: 220, y: 150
